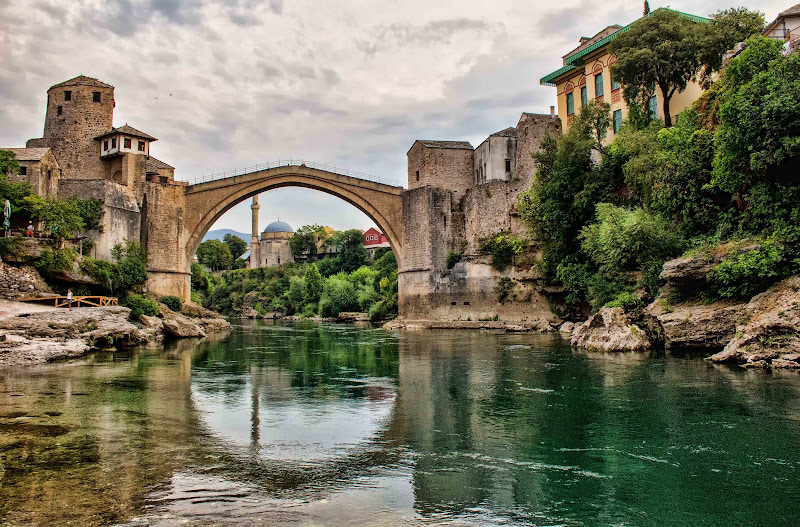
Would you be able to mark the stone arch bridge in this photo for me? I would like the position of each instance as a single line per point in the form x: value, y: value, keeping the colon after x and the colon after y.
x: 199, y: 205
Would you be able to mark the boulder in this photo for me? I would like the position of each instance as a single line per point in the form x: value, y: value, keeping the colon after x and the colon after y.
x: 683, y: 272
x: 609, y: 330
x: 566, y: 328
x: 181, y: 326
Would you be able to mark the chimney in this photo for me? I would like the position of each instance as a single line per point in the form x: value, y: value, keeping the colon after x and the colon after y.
x: 552, y: 111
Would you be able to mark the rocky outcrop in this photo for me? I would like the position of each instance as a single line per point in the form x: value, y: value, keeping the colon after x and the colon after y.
x: 609, y: 330
x: 347, y: 316
x: 98, y: 326
x: 566, y: 328
x: 769, y: 333
x: 694, y: 325
x: 17, y: 350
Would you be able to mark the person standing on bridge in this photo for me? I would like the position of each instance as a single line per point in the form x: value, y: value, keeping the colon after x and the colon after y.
x: 69, y: 298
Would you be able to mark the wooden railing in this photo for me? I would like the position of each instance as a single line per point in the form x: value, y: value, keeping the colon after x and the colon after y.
x: 77, y: 301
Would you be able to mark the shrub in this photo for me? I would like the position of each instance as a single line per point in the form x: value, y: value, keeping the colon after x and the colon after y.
x: 172, y: 302
x: 627, y: 301
x: 745, y: 274
x: 140, y: 305
x: 379, y: 310
x: 626, y: 239
x: 337, y: 295
x: 56, y: 261
x: 453, y: 258
x: 502, y: 247
x: 11, y: 246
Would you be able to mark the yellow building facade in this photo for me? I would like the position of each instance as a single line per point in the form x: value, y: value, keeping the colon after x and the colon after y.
x: 586, y: 76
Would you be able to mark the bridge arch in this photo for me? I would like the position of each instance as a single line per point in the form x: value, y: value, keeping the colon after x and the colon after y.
x: 207, y: 202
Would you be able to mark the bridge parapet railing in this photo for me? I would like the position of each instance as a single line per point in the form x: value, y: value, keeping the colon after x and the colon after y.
x: 205, y: 178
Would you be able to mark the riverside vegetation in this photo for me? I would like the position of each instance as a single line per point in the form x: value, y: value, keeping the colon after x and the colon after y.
x: 710, y: 207
x: 325, y: 288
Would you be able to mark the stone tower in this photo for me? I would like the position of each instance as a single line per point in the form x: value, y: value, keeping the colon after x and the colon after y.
x: 254, y: 252
x: 78, y: 110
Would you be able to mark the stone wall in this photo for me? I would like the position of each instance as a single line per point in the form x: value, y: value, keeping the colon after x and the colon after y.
x: 165, y: 239
x: 531, y: 130
x: 121, y: 214
x: 21, y: 282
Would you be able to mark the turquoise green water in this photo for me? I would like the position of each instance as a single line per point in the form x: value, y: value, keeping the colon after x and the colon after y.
x: 309, y: 424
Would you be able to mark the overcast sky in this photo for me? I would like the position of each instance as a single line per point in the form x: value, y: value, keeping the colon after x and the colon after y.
x: 352, y: 83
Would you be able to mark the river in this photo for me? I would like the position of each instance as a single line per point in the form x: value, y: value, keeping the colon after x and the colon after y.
x: 324, y: 424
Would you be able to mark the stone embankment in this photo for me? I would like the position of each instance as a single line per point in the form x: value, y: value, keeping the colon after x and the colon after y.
x: 761, y: 333
x: 33, y: 335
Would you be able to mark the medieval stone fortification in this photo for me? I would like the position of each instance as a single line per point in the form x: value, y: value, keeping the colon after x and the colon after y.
x: 457, y: 195
x: 82, y: 154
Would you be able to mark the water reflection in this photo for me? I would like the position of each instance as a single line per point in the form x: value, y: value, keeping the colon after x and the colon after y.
x: 333, y: 425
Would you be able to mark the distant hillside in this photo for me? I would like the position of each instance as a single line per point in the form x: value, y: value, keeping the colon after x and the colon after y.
x: 218, y: 234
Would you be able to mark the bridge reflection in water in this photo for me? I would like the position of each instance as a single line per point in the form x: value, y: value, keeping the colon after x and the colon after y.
x: 330, y: 425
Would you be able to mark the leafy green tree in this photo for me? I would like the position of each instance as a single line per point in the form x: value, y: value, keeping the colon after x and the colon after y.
x: 15, y: 192
x: 236, y: 245
x: 352, y: 253
x: 63, y: 218
x: 214, y: 254
x: 314, y: 284
x: 306, y: 240
x: 659, y: 50
x: 8, y: 163
x: 759, y: 134
x: 295, y: 296
x: 726, y: 28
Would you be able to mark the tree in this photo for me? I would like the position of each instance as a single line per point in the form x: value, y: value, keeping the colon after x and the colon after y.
x: 62, y: 218
x: 236, y: 245
x: 661, y: 50
x: 668, y: 50
x: 15, y: 192
x: 726, y: 28
x: 306, y: 240
x: 8, y: 163
x: 352, y: 253
x: 759, y: 134
x: 314, y: 284
x: 214, y: 254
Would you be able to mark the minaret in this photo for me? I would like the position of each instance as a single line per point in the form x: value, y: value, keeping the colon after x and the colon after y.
x: 255, y: 259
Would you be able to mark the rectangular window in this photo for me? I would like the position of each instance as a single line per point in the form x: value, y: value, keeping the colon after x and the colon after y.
x: 584, y: 96
x: 141, y: 146
x: 617, y: 120
x: 114, y: 142
x: 417, y: 175
x: 58, y: 110
x: 614, y: 84
x: 508, y: 165
x: 598, y: 85
x: 105, y: 144
x: 95, y: 96
x: 652, y: 107
x: 570, y: 103
x: 67, y: 95
x: 126, y: 142
x: 23, y: 171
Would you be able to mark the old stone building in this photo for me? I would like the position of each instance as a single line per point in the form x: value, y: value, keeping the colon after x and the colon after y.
x: 82, y: 154
x: 274, y: 244
x: 457, y: 196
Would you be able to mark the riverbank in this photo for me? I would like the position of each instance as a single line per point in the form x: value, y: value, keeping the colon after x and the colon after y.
x: 31, y: 335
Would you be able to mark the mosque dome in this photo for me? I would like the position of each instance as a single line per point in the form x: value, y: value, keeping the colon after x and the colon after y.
x: 278, y: 226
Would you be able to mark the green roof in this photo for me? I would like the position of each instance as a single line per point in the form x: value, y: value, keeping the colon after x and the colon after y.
x: 575, y: 60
